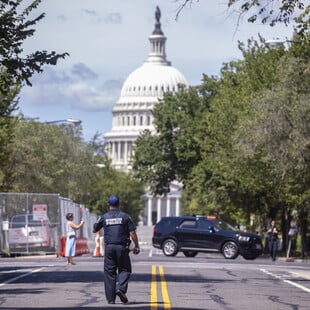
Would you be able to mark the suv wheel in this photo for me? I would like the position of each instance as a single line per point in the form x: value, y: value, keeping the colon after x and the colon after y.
x: 230, y: 250
x: 170, y: 247
x: 190, y: 253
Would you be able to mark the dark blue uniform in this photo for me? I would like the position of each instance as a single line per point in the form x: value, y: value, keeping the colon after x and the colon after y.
x: 273, y: 241
x: 117, y: 226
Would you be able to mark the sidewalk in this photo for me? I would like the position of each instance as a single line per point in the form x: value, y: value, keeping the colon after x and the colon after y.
x: 145, y: 234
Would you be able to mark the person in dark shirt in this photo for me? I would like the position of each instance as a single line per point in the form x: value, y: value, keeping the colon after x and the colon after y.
x: 272, y: 233
x: 119, y: 230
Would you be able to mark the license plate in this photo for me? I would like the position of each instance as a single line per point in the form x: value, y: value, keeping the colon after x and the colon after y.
x: 34, y: 233
x: 258, y: 246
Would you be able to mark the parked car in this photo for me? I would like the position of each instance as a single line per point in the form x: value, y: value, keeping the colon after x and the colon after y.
x: 28, y: 233
x: 194, y: 234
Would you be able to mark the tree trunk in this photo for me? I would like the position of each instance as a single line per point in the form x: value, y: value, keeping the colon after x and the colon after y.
x: 303, y: 220
x: 284, y: 222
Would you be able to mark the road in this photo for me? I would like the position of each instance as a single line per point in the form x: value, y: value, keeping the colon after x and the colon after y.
x: 158, y: 282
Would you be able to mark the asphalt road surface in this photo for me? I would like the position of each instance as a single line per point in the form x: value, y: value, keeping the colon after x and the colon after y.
x: 158, y: 282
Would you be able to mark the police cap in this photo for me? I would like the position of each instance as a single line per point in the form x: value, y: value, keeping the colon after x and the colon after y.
x: 113, y: 201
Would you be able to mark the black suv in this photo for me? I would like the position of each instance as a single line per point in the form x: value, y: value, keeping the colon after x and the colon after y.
x: 193, y: 234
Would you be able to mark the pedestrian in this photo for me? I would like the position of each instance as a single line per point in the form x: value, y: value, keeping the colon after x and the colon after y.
x: 272, y: 233
x: 292, y: 236
x: 119, y: 230
x: 71, y: 238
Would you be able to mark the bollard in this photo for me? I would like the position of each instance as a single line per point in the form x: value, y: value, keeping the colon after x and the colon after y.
x: 98, y: 246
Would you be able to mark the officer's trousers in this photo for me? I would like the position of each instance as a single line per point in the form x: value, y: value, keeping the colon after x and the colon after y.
x: 273, y: 247
x: 117, y: 270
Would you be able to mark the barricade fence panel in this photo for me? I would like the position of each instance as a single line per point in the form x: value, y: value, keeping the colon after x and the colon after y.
x: 36, y: 223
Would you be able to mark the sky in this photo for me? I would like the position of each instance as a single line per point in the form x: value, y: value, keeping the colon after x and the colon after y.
x: 108, y: 39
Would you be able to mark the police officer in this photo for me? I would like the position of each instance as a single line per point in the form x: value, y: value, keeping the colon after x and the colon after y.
x: 118, y: 228
x: 272, y: 232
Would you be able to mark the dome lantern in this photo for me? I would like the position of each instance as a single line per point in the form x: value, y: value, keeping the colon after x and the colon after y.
x: 157, y: 43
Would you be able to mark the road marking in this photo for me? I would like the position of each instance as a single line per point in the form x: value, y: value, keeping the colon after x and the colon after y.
x: 151, y: 253
x: 286, y: 281
x: 153, y: 289
x: 164, y: 289
x: 21, y: 276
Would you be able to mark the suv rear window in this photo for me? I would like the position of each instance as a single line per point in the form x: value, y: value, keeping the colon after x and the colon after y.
x: 167, y: 222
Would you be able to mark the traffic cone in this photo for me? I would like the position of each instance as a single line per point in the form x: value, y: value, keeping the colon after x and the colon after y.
x: 97, y: 251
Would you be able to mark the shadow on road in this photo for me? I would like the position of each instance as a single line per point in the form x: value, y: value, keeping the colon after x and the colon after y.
x: 144, y: 306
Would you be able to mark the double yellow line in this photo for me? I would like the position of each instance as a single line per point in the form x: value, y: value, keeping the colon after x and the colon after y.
x: 164, y: 290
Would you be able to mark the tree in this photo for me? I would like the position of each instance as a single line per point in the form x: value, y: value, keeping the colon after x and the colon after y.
x: 278, y: 134
x: 15, y: 28
x: 269, y: 12
x: 51, y: 158
x: 173, y: 152
x: 16, y: 69
x: 194, y: 142
x: 113, y: 182
x: 8, y: 103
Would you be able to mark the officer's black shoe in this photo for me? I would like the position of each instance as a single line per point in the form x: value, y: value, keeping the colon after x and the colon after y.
x: 111, y: 302
x: 122, y: 296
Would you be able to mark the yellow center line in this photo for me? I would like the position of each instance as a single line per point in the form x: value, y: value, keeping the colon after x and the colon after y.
x: 153, y: 289
x: 164, y: 289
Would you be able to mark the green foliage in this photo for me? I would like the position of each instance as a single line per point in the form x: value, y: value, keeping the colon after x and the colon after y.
x: 15, y: 28
x: 278, y: 133
x: 223, y: 184
x: 213, y: 138
x: 173, y: 152
x: 8, y: 104
x: 16, y: 69
x: 113, y: 182
x: 50, y: 159
x: 269, y: 12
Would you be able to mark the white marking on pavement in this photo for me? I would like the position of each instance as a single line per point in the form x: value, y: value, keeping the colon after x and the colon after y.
x: 286, y: 281
x: 21, y: 276
x: 151, y: 253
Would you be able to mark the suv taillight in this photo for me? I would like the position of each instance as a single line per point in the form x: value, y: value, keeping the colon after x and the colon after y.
x: 155, y: 230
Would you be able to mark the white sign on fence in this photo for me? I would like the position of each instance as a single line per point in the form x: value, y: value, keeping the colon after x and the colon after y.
x: 39, y: 212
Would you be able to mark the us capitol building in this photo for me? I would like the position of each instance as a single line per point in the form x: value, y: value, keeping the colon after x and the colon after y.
x: 141, y: 91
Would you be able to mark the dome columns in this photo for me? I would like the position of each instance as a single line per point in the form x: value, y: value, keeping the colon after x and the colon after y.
x: 120, y: 153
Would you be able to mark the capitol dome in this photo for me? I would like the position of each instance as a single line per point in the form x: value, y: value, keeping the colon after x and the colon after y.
x: 151, y: 80
x: 141, y: 91
x: 132, y: 114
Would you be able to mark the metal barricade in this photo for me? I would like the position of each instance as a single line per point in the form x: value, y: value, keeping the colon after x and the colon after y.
x: 36, y: 223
